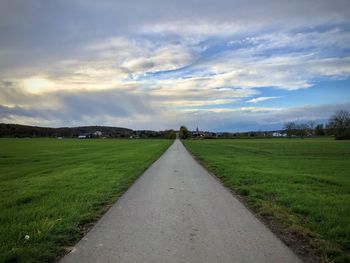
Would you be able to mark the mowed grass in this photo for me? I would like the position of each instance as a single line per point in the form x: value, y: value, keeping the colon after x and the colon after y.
x: 303, y: 183
x: 52, y: 189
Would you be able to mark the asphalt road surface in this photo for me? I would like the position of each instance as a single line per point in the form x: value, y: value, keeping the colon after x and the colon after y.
x: 177, y: 212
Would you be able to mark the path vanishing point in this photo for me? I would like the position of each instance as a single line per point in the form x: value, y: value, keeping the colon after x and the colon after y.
x: 177, y: 212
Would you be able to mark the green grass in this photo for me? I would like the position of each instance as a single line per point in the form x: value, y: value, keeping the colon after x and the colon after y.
x: 52, y: 189
x: 302, y: 183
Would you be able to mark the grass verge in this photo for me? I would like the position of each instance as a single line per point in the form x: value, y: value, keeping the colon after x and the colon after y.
x: 51, y: 191
x: 301, y: 187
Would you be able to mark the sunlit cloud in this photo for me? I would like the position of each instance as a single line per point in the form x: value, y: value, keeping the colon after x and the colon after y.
x: 37, y: 84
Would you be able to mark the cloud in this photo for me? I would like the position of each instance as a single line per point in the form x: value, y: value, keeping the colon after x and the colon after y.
x: 142, y: 55
x: 162, y: 62
x: 74, y: 107
x: 260, y: 99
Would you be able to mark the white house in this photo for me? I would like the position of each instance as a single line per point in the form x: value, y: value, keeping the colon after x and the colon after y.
x: 277, y: 134
x: 98, y: 133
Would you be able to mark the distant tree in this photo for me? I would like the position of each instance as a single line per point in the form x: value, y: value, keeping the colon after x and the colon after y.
x: 301, y: 130
x: 169, y: 134
x: 311, y: 127
x: 339, y: 124
x: 184, y: 133
x: 290, y: 128
x: 319, y: 131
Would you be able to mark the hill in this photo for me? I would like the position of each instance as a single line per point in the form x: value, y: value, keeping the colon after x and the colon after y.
x: 17, y: 130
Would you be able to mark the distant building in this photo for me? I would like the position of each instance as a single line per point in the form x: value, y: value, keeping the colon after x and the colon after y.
x: 202, y: 134
x: 278, y: 134
x: 97, y: 134
x: 197, y: 134
x: 82, y: 137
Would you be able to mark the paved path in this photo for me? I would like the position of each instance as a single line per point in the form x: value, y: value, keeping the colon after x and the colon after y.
x: 177, y: 212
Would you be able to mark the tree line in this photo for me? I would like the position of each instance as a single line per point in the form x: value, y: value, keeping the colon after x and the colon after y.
x: 338, y: 126
x: 19, y: 131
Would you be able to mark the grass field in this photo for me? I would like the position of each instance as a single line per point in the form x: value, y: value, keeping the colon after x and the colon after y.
x: 52, y: 189
x: 304, y: 184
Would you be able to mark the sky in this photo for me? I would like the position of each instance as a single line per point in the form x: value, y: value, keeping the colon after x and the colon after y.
x: 224, y: 65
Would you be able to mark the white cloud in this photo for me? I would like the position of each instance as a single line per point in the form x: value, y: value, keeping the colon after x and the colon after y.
x: 259, y: 99
x: 259, y: 109
x: 140, y: 56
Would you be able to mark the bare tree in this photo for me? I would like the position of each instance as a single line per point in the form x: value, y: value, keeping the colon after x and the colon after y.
x: 319, y: 131
x: 339, y: 123
x: 290, y: 128
x: 311, y: 127
x: 302, y: 130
